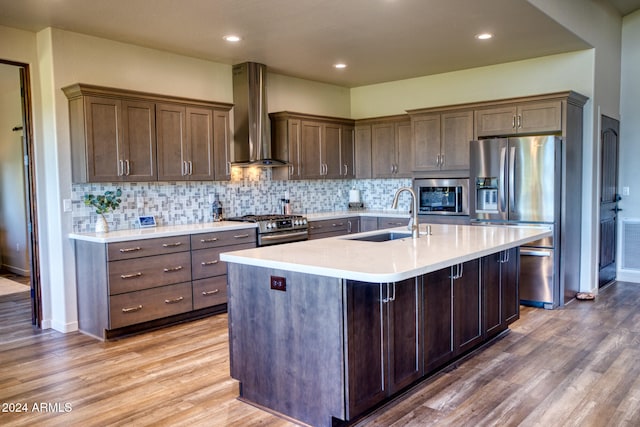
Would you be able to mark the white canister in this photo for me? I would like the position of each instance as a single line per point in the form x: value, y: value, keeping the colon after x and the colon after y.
x: 354, y: 196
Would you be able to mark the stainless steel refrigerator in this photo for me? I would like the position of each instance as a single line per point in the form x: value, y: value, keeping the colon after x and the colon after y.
x: 523, y: 181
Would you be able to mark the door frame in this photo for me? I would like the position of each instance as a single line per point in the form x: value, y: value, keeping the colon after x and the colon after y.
x: 30, y: 191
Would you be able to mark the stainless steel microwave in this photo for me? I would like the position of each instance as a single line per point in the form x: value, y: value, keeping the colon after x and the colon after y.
x: 442, y: 196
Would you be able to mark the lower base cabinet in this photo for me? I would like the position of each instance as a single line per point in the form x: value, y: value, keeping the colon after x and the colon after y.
x: 399, y: 332
x: 132, y: 286
x: 384, y: 340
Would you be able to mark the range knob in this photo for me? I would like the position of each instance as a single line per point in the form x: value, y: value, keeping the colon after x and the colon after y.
x: 274, y: 225
x: 268, y: 225
x: 304, y: 221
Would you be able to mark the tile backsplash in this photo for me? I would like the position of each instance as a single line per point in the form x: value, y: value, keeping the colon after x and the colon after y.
x: 250, y: 191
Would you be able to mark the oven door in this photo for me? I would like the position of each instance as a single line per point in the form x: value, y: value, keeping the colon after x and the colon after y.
x: 442, y: 196
x: 277, y: 237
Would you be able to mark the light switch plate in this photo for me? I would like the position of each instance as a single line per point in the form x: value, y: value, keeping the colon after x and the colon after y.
x: 66, y: 205
x: 625, y: 191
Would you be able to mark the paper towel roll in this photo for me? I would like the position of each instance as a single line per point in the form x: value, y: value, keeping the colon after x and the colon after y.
x: 354, y: 196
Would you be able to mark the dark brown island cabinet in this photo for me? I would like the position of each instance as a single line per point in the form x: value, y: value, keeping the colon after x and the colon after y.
x: 328, y: 350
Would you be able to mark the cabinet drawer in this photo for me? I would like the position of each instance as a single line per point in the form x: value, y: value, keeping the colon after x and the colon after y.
x: 329, y: 225
x: 223, y: 238
x: 147, y: 247
x: 206, y: 262
x: 209, y: 292
x: 141, y: 306
x: 135, y: 274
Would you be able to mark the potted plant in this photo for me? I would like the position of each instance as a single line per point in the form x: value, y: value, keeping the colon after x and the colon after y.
x: 109, y: 201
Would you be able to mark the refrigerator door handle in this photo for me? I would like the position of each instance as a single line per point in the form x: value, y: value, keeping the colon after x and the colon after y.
x: 503, y: 178
x: 539, y: 253
x: 512, y: 180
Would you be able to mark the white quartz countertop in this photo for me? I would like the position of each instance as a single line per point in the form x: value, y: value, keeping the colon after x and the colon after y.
x: 389, y: 261
x: 163, y: 231
x: 176, y: 230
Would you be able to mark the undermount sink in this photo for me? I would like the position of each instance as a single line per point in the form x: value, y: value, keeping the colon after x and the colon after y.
x: 382, y: 237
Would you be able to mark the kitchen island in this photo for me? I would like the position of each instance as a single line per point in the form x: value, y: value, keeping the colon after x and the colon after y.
x: 324, y: 330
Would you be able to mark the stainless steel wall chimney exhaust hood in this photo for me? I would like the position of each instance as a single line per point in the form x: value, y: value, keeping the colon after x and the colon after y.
x: 252, y: 128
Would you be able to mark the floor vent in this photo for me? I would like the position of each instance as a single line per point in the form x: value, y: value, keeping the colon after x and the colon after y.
x: 631, y: 244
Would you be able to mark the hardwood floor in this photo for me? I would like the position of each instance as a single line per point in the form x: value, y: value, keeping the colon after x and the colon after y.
x: 576, y: 366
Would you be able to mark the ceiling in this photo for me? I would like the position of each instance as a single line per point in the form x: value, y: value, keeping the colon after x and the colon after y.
x: 379, y: 40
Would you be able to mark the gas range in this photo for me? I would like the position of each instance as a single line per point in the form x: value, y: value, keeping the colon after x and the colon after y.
x: 274, y: 229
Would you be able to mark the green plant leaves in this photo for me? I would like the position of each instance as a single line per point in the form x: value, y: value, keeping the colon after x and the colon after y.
x: 109, y: 201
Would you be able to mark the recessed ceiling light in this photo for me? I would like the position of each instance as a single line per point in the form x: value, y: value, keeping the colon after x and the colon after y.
x: 484, y: 36
x: 232, y: 38
x: 340, y: 65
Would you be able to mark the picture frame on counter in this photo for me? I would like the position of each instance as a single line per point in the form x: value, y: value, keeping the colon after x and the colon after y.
x: 147, y: 221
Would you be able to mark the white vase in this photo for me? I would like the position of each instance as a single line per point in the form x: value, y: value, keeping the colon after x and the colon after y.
x: 101, y: 225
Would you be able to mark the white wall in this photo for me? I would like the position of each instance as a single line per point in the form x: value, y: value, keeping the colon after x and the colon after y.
x: 531, y: 77
x: 630, y: 127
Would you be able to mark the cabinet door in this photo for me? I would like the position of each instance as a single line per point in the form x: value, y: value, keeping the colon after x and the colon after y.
x: 467, y: 307
x: 294, y: 129
x: 457, y: 131
x: 363, y: 152
x: 310, y: 149
x: 221, y: 145
x: 331, y: 151
x: 539, y: 117
x: 383, y: 150
x: 493, y: 293
x: 510, y: 281
x: 365, y: 352
x: 426, y: 142
x: 353, y: 225
x: 200, y: 146
x: 368, y: 223
x: 438, y: 319
x: 347, y: 152
x: 171, y: 137
x: 103, y: 134
x: 405, y: 363
x: 495, y: 121
x: 404, y: 164
x: 139, y: 141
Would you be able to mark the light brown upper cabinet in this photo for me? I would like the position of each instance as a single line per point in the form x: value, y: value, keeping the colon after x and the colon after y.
x: 115, y: 135
x: 185, y: 143
x: 112, y: 140
x: 383, y: 147
x: 525, y: 118
x: 315, y: 146
x: 441, y: 140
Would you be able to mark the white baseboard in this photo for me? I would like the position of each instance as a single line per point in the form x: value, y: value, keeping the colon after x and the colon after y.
x: 61, y: 327
x: 628, y: 276
x: 16, y: 270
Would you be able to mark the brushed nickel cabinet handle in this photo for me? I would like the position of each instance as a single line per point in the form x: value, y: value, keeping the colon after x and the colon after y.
x: 241, y: 236
x: 513, y: 122
x: 172, y: 269
x: 130, y: 276
x: 183, y: 172
x: 173, y: 301
x: 190, y: 167
x: 171, y: 245
x: 126, y: 162
x: 228, y: 168
x: 206, y: 293
x: 205, y: 263
x: 120, y: 167
x: 213, y: 239
x: 132, y: 309
x: 124, y: 250
x: 340, y: 224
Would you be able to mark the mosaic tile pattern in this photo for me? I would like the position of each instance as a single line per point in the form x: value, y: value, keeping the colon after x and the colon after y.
x: 250, y: 191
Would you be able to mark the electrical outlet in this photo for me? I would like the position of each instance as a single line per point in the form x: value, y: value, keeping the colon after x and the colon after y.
x: 279, y: 283
x: 140, y: 202
x: 66, y: 205
x: 625, y: 191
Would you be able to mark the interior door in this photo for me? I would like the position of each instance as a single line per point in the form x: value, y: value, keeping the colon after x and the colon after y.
x: 609, y: 197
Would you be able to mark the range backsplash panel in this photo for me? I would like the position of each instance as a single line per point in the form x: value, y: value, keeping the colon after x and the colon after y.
x: 250, y: 191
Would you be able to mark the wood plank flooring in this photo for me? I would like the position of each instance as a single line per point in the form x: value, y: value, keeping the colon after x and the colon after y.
x: 578, y: 366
